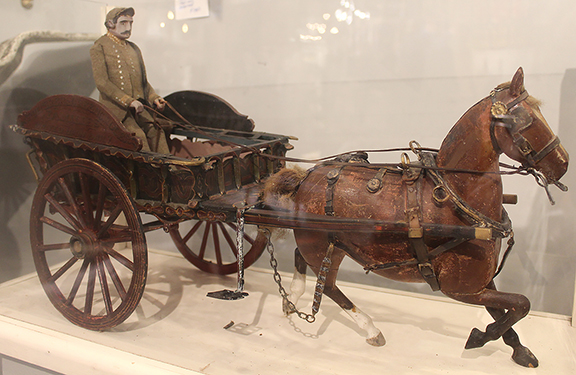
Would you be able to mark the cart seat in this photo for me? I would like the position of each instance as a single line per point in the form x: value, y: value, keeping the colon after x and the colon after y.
x: 208, y: 110
x: 80, y: 118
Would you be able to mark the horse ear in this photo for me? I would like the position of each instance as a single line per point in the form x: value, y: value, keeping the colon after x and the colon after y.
x: 517, y: 84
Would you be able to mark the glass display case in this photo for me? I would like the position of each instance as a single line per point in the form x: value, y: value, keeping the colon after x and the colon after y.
x: 336, y: 76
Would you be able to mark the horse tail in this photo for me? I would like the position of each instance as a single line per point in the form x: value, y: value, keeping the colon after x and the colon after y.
x: 280, y: 188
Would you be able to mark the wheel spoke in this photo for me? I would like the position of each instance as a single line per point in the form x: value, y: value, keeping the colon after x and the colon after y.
x: 113, y: 216
x: 99, y: 206
x: 55, y: 246
x: 204, y: 240
x: 247, y: 237
x: 196, y: 249
x: 77, y: 282
x: 87, y: 199
x: 57, y: 225
x: 114, y: 276
x: 90, y: 289
x: 62, y: 211
x: 63, y: 269
x: 228, y: 239
x: 120, y: 258
x: 191, y: 232
x: 124, y: 236
x: 216, y: 244
x: 71, y: 200
x: 104, y: 285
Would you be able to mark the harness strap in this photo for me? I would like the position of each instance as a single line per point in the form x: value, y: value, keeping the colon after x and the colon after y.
x: 431, y: 255
x: 472, y: 215
x: 375, y: 183
x: 554, y: 142
x: 331, y: 179
x: 516, y: 122
x: 321, y: 280
x: 424, y: 266
x: 415, y: 230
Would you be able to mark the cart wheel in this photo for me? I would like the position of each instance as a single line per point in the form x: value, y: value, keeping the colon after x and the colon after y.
x: 75, y: 224
x: 211, y: 246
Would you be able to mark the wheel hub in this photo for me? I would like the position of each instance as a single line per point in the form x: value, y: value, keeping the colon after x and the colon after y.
x: 83, y: 246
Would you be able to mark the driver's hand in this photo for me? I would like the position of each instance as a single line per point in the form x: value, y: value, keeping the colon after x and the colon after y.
x: 160, y: 103
x: 138, y: 107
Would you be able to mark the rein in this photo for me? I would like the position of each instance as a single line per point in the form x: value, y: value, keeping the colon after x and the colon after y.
x: 188, y: 126
x: 499, y: 112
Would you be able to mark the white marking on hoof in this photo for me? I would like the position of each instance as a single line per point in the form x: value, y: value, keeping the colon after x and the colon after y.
x: 377, y: 341
x: 373, y: 335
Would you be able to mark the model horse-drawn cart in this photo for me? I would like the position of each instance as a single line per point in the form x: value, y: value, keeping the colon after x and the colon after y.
x: 438, y: 220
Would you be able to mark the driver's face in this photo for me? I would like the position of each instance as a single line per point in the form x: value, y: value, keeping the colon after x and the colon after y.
x: 123, y: 27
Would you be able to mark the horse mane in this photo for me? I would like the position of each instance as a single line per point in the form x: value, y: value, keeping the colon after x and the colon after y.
x: 532, y: 101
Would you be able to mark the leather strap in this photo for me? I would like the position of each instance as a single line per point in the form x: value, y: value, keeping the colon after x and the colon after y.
x: 554, y: 142
x: 416, y: 232
x: 375, y: 183
x: 331, y: 179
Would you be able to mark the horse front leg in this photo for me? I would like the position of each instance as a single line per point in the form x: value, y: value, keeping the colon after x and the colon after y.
x: 521, y: 354
x: 506, y: 309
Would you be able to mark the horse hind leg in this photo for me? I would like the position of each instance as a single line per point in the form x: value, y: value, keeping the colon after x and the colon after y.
x: 374, y: 336
x: 298, y: 284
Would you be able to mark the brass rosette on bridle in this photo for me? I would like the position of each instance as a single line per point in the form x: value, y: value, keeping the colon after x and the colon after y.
x: 499, y: 109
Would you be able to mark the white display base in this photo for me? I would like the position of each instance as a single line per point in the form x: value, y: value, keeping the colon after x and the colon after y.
x: 178, y: 330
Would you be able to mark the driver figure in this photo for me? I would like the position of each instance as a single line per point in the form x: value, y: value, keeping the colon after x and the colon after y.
x: 120, y: 76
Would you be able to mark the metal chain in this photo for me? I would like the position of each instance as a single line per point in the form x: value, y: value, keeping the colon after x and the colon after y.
x: 310, y: 318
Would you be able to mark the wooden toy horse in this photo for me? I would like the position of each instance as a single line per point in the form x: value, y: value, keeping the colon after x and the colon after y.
x: 459, y: 187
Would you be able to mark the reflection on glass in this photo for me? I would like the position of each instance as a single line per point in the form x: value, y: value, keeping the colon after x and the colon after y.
x: 347, y: 14
x: 320, y: 27
x: 310, y: 37
x: 185, y: 28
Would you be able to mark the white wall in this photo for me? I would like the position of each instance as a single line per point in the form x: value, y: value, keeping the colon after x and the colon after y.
x: 408, y: 72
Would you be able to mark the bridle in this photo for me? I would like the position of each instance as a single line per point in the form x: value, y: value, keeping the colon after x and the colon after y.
x: 516, y: 121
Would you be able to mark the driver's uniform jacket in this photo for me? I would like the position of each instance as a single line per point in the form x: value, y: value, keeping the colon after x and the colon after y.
x: 119, y: 73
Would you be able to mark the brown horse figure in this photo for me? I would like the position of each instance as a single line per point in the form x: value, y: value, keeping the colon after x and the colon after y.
x: 459, y: 187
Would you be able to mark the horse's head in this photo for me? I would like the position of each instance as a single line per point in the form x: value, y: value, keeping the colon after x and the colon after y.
x: 519, y: 130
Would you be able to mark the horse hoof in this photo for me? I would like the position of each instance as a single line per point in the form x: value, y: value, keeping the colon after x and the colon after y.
x: 475, y: 340
x: 524, y: 357
x: 378, y: 340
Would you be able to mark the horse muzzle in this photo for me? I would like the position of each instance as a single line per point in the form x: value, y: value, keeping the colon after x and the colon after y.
x: 554, y: 165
